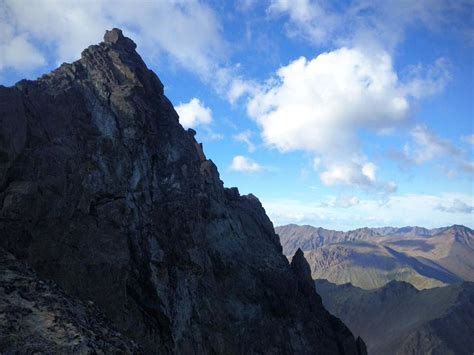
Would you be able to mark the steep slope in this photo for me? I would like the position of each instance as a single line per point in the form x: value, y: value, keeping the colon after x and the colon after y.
x: 371, y: 257
x: 398, y: 319
x: 36, y: 316
x: 105, y: 193
x: 368, y: 265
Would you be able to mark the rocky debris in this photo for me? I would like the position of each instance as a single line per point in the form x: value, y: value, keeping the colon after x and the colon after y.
x: 37, y: 317
x: 105, y: 193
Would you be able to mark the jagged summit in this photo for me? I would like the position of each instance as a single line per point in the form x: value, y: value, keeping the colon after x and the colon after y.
x: 106, y: 194
x: 116, y: 37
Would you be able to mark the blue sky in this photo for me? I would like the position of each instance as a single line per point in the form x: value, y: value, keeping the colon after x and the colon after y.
x: 340, y: 114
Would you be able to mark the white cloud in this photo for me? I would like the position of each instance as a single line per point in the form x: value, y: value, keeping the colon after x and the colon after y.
x: 320, y: 105
x: 193, y: 114
x: 245, y: 165
x: 15, y: 50
x: 352, y: 173
x: 346, y: 174
x: 396, y: 210
x: 246, y: 137
x: 315, y: 104
x: 188, y: 32
x: 18, y: 53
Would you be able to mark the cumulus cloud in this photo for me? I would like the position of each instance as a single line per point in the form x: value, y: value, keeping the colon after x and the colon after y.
x: 316, y: 104
x: 245, y: 165
x: 194, y: 113
x: 188, y: 32
x: 320, y: 105
x: 246, y: 137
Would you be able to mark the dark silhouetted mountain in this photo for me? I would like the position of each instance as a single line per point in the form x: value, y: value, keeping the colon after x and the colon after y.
x: 103, y: 192
x: 371, y: 257
x: 399, y: 319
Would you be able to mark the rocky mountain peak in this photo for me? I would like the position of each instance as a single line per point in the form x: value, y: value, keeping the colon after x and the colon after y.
x: 103, y: 192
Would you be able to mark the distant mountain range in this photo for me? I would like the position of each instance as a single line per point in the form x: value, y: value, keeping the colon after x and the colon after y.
x: 372, y: 257
x: 399, y: 319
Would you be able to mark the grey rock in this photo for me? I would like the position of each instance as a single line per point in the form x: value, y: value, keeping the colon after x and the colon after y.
x: 103, y: 192
x: 37, y: 317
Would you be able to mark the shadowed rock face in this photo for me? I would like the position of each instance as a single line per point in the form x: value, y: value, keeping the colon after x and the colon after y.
x: 399, y: 319
x: 102, y: 191
x: 37, y: 317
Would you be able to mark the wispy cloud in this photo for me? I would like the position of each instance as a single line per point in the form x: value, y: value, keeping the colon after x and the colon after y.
x: 426, y: 146
x: 246, y: 137
x: 395, y: 210
x: 368, y: 24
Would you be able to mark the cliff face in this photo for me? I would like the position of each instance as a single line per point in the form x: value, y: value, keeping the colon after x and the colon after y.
x: 103, y: 191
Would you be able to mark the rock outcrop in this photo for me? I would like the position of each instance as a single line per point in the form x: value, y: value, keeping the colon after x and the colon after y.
x: 103, y: 192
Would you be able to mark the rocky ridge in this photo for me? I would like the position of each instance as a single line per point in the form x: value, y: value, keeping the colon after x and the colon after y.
x: 399, y: 319
x: 103, y: 192
x: 371, y: 257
